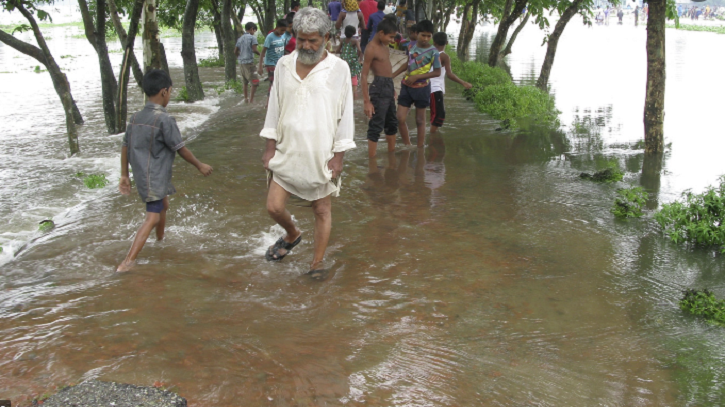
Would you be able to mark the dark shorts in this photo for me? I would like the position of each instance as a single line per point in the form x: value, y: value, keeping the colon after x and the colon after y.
x: 382, y: 96
x: 437, y: 109
x: 155, y: 206
x: 364, y: 37
x: 420, y: 97
x: 270, y: 74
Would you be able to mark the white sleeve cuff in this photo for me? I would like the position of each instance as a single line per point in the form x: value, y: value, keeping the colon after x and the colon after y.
x: 269, y: 133
x: 343, y: 145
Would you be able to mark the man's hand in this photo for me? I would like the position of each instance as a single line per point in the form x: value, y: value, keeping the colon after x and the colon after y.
x: 205, y: 169
x: 467, y: 85
x: 369, y: 109
x: 124, y: 185
x: 335, y: 165
x: 260, y: 70
x: 268, y: 155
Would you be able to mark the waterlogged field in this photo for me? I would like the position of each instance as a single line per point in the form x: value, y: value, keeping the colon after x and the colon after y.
x: 482, y: 271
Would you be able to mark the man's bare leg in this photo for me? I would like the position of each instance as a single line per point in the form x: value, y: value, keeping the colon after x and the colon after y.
x: 322, y: 209
x: 254, y: 89
x: 162, y: 220
x: 276, y: 200
x: 402, y: 125
x: 433, y: 129
x: 152, y: 219
x: 245, y: 93
x: 420, y: 122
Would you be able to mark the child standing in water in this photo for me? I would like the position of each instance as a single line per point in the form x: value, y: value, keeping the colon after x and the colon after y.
x: 350, y: 52
x: 438, y: 84
x: 150, y: 145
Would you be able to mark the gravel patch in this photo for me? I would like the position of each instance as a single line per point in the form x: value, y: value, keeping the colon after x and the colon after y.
x: 95, y: 393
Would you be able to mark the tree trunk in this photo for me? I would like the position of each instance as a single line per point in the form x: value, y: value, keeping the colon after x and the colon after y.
x: 97, y: 37
x: 122, y: 36
x: 121, y: 105
x: 651, y: 176
x: 503, y: 29
x: 60, y: 81
x: 162, y: 57
x: 218, y: 28
x: 151, y: 41
x: 230, y: 60
x: 238, y: 21
x: 654, y: 103
x: 270, y: 13
x: 468, y: 27
x: 518, y: 29
x: 188, y: 52
x: 569, y: 12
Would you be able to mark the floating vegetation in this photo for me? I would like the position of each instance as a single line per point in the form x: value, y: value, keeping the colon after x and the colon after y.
x: 46, y: 225
x: 629, y: 202
x: 610, y: 174
x: 696, y: 218
x: 67, y: 56
x: 211, y: 62
x: 95, y: 181
x: 704, y: 304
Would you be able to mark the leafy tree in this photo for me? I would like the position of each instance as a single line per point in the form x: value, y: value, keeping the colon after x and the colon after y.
x: 43, y: 55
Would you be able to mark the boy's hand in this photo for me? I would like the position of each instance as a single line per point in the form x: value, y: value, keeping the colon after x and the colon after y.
x: 124, y: 185
x: 369, y: 109
x: 410, y: 80
x: 467, y: 85
x: 260, y: 70
x: 205, y: 169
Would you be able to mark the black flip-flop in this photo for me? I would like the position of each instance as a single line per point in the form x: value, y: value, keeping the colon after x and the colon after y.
x: 281, y: 244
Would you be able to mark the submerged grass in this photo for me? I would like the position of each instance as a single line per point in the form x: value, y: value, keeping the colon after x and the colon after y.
x: 495, y: 94
x: 696, y: 218
x: 718, y: 29
x: 629, y: 202
x: 93, y: 181
x: 211, y: 62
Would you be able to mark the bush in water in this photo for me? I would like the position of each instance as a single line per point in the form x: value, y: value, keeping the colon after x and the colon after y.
x: 183, y: 95
x: 95, y: 181
x: 211, y: 62
x: 610, y: 174
x: 703, y: 303
x: 697, y: 218
x: 495, y: 94
x: 629, y: 202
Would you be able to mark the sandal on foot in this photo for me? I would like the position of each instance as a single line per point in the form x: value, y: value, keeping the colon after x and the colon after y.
x: 273, y: 252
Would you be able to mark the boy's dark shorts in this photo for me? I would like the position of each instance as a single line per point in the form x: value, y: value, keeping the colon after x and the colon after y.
x: 155, y: 206
x: 437, y: 109
x: 418, y: 96
x: 382, y: 96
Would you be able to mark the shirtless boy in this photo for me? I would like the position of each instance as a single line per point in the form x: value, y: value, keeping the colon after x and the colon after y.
x: 379, y: 99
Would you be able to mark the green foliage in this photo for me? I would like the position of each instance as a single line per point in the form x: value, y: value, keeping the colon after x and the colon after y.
x: 671, y: 12
x: 697, y: 218
x: 704, y: 304
x: 629, y: 202
x: 183, y: 95
x: 236, y: 86
x: 211, y: 62
x: 495, y: 94
x: 718, y: 29
x: 610, y: 174
x: 21, y: 29
x: 46, y: 225
x: 95, y: 181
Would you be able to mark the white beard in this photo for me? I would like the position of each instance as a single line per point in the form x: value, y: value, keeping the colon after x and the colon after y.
x: 310, y: 58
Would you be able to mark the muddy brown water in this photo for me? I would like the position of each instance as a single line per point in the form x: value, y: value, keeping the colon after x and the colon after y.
x: 481, y: 271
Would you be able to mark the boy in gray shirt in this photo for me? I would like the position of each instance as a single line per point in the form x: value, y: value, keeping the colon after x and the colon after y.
x: 150, y: 145
x: 244, y: 50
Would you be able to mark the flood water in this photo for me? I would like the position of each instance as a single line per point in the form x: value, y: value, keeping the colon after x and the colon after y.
x: 482, y: 271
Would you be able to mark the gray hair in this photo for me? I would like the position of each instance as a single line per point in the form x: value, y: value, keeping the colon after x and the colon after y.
x: 309, y: 20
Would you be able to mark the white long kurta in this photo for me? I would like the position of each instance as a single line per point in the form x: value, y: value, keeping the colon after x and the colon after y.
x: 311, y: 120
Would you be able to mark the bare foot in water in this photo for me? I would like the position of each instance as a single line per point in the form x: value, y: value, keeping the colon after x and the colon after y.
x: 125, y: 266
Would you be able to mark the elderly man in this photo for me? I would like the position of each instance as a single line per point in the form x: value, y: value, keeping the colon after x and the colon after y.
x: 309, y: 127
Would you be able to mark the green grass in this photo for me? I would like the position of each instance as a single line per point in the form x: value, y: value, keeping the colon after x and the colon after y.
x: 704, y: 304
x: 610, y: 174
x: 46, y: 225
x: 696, y: 219
x: 211, y: 62
x: 495, y: 94
x: 183, y: 95
x: 718, y: 29
x: 629, y: 202
x: 95, y: 181
x: 236, y: 86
